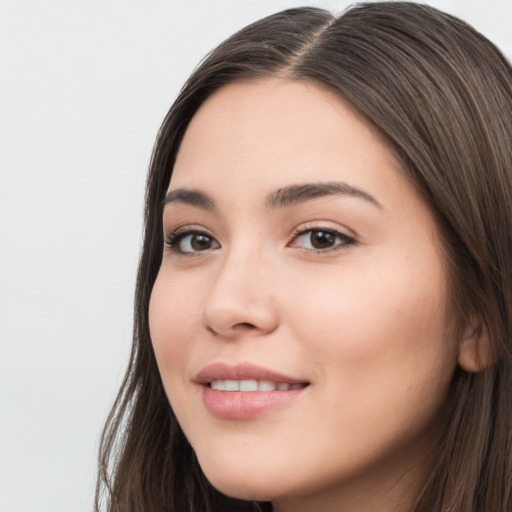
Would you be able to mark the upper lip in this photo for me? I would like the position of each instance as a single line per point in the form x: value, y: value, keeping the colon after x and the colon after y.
x: 242, y: 371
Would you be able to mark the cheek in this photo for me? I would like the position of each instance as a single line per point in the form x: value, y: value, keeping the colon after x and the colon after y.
x: 380, y: 333
x: 381, y: 294
x: 382, y: 359
x: 172, y: 319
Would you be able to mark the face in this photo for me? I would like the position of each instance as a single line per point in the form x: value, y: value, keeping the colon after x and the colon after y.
x: 299, y: 317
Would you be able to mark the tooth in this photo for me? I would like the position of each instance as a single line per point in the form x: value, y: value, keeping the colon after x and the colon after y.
x: 252, y: 385
x: 231, y: 385
x: 248, y: 385
x: 218, y: 385
x: 266, y: 385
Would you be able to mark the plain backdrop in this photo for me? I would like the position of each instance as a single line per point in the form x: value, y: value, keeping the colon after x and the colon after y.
x: 84, y: 86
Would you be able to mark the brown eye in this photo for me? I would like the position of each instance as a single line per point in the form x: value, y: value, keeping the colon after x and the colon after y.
x: 199, y: 242
x: 322, y: 240
x: 191, y: 242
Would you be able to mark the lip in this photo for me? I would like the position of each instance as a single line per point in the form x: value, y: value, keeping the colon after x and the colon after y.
x: 242, y: 371
x: 240, y: 405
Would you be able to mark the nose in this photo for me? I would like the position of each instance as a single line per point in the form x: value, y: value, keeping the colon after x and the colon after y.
x: 241, y: 301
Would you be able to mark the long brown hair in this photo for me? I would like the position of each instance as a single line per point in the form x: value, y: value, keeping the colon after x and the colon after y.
x: 441, y: 95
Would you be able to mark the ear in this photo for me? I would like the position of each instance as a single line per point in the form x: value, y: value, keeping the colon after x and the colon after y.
x: 475, y: 352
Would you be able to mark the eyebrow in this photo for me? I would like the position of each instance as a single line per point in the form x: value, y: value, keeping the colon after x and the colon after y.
x: 295, y: 194
x: 281, y: 198
x: 191, y: 197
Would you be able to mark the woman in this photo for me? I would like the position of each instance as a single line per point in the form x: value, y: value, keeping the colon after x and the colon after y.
x: 324, y: 302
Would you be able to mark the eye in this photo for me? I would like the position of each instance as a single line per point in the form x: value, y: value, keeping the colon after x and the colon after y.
x: 322, y: 240
x: 190, y: 242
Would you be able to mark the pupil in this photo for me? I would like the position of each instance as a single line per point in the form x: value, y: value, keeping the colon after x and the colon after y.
x: 322, y: 239
x: 201, y: 242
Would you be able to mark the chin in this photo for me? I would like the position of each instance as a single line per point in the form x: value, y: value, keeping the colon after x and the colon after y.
x: 242, y: 489
x: 243, y: 483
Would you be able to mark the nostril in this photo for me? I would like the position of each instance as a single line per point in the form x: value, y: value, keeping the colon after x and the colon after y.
x: 244, y: 326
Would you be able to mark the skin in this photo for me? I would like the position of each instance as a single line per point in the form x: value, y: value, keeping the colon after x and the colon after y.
x: 365, y: 323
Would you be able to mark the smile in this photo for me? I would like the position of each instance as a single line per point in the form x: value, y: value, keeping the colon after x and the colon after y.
x: 244, y: 391
x: 253, y: 385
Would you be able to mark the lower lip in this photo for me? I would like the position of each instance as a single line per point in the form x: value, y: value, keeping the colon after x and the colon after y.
x: 240, y: 405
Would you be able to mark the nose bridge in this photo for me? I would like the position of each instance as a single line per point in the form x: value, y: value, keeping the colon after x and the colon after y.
x: 241, y: 295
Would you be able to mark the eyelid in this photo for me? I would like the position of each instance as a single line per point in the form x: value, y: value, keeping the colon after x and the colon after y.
x: 347, y: 239
x: 173, y: 238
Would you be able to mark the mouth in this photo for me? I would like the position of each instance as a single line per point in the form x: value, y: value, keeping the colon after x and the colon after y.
x: 244, y: 391
x: 251, y: 385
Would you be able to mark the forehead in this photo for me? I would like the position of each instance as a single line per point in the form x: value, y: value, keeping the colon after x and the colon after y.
x: 253, y: 137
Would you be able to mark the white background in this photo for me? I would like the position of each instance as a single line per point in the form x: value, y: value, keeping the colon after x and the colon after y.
x: 84, y: 86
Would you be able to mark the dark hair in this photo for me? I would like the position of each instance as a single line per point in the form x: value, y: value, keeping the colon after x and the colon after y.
x: 441, y: 95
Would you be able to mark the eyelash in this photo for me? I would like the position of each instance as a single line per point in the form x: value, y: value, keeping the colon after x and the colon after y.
x: 345, y: 240
x: 173, y: 240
